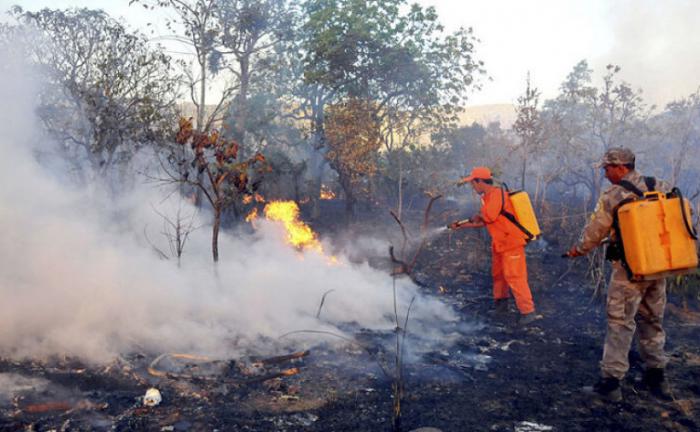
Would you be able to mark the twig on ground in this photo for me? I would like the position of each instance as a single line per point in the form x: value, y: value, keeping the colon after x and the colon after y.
x: 323, y: 300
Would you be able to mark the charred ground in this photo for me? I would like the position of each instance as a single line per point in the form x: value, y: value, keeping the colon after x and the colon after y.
x: 494, y: 377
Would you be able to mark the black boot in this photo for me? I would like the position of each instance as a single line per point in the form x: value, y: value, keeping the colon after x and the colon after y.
x: 607, y: 389
x: 527, y: 319
x: 656, y: 383
x: 501, y: 306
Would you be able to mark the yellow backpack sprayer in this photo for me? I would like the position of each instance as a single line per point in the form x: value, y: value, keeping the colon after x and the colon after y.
x: 655, y: 234
x: 524, y: 217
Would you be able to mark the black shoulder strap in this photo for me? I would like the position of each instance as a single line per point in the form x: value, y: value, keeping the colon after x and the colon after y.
x: 630, y: 187
x: 650, y: 183
x: 512, y: 217
x: 515, y: 222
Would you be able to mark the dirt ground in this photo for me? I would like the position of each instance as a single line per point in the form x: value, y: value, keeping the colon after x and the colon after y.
x: 493, y: 377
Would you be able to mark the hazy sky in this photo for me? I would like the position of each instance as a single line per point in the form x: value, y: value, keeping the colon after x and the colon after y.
x: 655, y: 42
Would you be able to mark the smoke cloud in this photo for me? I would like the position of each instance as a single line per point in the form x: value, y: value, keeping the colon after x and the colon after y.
x: 78, y: 277
x: 656, y: 44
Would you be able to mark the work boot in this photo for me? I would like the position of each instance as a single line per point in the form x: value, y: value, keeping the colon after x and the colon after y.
x: 501, y: 306
x: 656, y: 383
x: 527, y: 319
x: 607, y: 389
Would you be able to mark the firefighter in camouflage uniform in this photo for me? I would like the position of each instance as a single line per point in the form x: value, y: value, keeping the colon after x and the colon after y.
x: 626, y: 300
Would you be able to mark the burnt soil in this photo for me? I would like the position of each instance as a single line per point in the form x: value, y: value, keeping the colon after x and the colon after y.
x: 495, y: 377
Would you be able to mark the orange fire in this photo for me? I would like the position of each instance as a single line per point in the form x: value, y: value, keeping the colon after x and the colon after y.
x: 252, y: 215
x: 299, y: 234
x: 326, y: 193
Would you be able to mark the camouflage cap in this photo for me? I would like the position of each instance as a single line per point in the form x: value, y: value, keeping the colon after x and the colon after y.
x: 617, y: 156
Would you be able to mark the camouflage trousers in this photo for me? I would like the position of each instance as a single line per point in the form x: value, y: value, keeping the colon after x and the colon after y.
x: 631, y: 305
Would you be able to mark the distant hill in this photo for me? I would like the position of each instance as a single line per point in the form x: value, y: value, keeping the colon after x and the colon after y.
x: 485, y: 114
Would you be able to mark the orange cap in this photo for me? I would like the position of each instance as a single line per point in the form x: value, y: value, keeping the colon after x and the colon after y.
x: 478, y: 173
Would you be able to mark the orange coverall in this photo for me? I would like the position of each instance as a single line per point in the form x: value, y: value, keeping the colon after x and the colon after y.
x: 508, y: 251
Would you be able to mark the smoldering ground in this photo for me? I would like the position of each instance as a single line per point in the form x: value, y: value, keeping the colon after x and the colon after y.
x: 79, y: 279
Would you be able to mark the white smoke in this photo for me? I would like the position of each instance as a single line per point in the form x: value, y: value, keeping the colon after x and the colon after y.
x: 656, y: 44
x: 79, y: 278
x: 13, y: 384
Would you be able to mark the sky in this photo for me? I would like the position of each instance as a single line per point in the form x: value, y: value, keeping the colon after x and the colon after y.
x: 654, y: 42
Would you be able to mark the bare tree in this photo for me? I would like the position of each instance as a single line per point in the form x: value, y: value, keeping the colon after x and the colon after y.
x: 108, y: 91
x: 678, y: 133
x: 528, y: 126
x: 177, y: 230
x: 197, y: 26
x: 584, y: 121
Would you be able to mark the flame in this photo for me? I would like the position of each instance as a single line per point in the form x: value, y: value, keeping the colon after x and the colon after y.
x: 326, y: 193
x: 299, y: 234
x: 247, y: 199
x: 259, y: 198
x: 252, y: 216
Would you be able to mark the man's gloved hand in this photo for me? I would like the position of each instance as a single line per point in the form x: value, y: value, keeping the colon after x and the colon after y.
x: 476, y: 218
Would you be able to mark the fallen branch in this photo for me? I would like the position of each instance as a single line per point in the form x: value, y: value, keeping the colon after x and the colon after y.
x: 40, y: 408
x: 83, y: 404
x: 283, y: 358
x: 153, y: 370
x: 263, y: 378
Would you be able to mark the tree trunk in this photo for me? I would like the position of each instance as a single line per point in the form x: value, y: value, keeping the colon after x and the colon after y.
x: 202, y: 93
x: 350, y: 199
x: 318, y: 164
x: 200, y: 119
x: 543, y: 196
x: 676, y: 169
x: 400, y: 203
x: 241, y: 103
x: 350, y: 207
x: 315, y: 185
x: 523, y: 168
x: 215, y: 233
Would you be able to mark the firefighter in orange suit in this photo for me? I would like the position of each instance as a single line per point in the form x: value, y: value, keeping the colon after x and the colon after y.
x: 507, y: 245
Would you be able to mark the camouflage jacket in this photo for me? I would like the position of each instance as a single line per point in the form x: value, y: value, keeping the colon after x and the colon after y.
x: 599, y: 227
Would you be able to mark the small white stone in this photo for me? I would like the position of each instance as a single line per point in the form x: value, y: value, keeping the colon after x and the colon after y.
x: 152, y: 397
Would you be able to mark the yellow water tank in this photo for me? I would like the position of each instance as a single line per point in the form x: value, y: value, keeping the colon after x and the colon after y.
x: 657, y: 237
x: 524, y: 212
